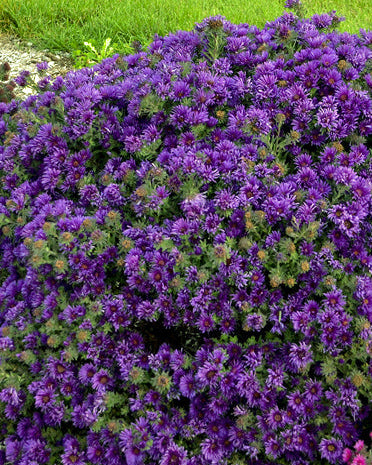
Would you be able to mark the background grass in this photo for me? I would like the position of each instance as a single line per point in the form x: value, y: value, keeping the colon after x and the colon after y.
x: 66, y: 24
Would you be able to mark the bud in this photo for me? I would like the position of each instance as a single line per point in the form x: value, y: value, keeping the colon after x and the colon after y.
x: 260, y: 215
x: 106, y: 179
x: 52, y: 341
x: 329, y: 281
x: 162, y: 382
x: 290, y: 282
x: 46, y: 226
x: 219, y: 252
x: 245, y: 243
x: 305, y: 266
x: 87, y: 223
x: 136, y: 375
x: 261, y: 254
x: 36, y: 260
x: 114, y: 426
x: 39, y: 244
x: 299, y: 195
x: 280, y: 117
x: 220, y: 114
x: 141, y: 191
x: 66, y: 236
x: 275, y: 281
x: 6, y: 230
x: 338, y: 146
x: 82, y: 336
x: 96, y: 235
x: 282, y: 83
x: 112, y: 215
x: 5, y: 331
x: 202, y: 276
x: 262, y: 153
x: 175, y: 283
x: 60, y: 265
x: 295, y: 135
x: 249, y: 225
x: 342, y: 65
x: 126, y: 244
x: 358, y: 380
x: 27, y: 241
x: 10, y: 203
x: 290, y: 247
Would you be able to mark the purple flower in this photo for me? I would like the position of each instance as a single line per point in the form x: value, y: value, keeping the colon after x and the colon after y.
x: 211, y: 450
x: 292, y: 3
x: 45, y: 397
x: 331, y: 449
x: 42, y: 66
x: 174, y: 455
x: 300, y: 355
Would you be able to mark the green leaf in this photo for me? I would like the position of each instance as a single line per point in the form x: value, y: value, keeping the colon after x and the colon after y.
x: 150, y: 105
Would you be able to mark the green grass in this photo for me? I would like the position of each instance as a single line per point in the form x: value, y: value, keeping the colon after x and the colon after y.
x: 66, y: 24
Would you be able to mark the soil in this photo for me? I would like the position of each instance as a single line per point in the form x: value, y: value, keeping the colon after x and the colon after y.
x: 22, y: 55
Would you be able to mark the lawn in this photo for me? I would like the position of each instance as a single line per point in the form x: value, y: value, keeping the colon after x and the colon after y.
x: 66, y: 24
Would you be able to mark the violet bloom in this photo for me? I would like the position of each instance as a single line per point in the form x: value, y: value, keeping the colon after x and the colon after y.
x: 44, y: 398
x: 21, y: 80
x: 300, y: 355
x: 292, y: 3
x: 331, y: 450
x: 42, y: 66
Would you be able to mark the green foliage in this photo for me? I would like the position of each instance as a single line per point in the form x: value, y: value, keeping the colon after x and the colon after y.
x: 91, y: 56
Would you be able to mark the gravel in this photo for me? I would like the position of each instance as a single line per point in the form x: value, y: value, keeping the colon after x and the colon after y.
x: 23, y: 56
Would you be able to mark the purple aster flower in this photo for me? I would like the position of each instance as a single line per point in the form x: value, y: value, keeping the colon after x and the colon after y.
x: 194, y: 205
x: 258, y: 121
x: 247, y: 386
x: 331, y: 450
x: 174, y: 455
x: 35, y: 449
x: 112, y: 194
x: 276, y: 419
x: 188, y: 385
x: 42, y: 66
x: 292, y: 3
x: 21, y: 79
x: 44, y: 397
x: 95, y: 453
x: 146, y: 310
x: 273, y: 447
x: 211, y: 450
x: 334, y: 300
x: 102, y: 380
x: 276, y: 376
x: 73, y: 457
x: 254, y: 322
x: 300, y: 355
x: 208, y: 374
x: 86, y: 373
x: 296, y: 402
x: 180, y: 90
x: 83, y: 416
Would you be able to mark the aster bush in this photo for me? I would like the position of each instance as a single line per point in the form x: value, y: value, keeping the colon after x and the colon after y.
x: 186, y: 252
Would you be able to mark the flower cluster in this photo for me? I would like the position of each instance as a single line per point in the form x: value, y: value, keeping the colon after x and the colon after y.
x: 185, y: 252
x: 360, y: 455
